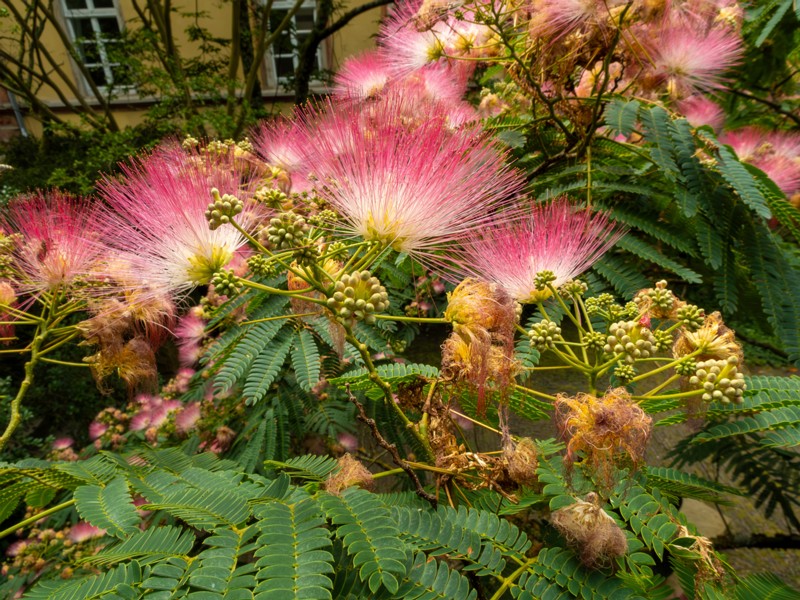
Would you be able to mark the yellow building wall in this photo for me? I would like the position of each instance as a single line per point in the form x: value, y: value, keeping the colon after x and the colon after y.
x: 129, y: 110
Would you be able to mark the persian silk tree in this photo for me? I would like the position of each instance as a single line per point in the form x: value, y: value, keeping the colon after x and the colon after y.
x: 323, y: 248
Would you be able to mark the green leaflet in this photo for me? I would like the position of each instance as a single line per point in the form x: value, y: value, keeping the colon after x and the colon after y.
x: 266, y: 366
x: 305, y: 360
x: 109, y: 507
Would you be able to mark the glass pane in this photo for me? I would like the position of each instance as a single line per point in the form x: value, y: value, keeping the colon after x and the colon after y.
x: 90, y: 53
x: 275, y: 18
x: 283, y: 45
x: 109, y: 26
x: 305, y: 19
x: 104, y: 3
x: 98, y: 76
x: 76, y: 4
x: 83, y: 28
x: 284, y: 65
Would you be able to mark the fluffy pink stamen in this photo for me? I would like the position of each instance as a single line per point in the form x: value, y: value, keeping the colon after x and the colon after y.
x: 554, y: 237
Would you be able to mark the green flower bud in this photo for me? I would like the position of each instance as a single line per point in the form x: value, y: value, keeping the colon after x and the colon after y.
x: 226, y: 283
x: 544, y: 334
x: 222, y: 209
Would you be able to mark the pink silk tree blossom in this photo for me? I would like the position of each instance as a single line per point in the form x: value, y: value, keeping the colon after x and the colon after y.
x: 58, y: 244
x: 554, y: 237
x: 157, y: 223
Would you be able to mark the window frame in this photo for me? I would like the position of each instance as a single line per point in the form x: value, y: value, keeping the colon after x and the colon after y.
x: 93, y: 14
x: 272, y: 80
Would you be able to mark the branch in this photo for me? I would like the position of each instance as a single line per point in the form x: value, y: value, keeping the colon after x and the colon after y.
x: 391, y: 449
x: 350, y: 15
x: 773, y: 105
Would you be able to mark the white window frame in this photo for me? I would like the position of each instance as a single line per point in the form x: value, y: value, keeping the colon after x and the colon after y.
x: 273, y: 81
x: 93, y: 14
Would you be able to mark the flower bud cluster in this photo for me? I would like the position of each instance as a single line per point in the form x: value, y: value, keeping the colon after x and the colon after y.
x: 543, y: 279
x: 322, y: 217
x: 624, y: 372
x: 631, y: 339
x: 272, y: 197
x: 661, y: 297
x: 720, y: 379
x: 692, y: 317
x: 597, y: 304
x: 594, y: 340
x: 358, y: 297
x: 222, y: 209
x: 686, y: 367
x: 261, y: 266
x: 544, y: 334
x: 573, y: 287
x: 226, y: 283
x: 287, y: 230
x: 663, y: 340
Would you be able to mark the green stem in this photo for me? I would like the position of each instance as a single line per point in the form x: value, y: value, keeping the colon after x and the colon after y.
x: 63, y: 362
x: 290, y: 316
x: 59, y: 343
x: 272, y: 290
x: 15, y: 414
x: 388, y: 473
x: 508, y: 581
x: 412, y: 319
x: 660, y: 387
x: 665, y: 367
x: 534, y: 392
x: 688, y: 394
x: 36, y: 517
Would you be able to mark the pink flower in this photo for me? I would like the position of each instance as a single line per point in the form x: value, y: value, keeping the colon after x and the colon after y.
x: 416, y: 185
x: 687, y: 60
x: 748, y: 142
x: 59, y: 241
x: 407, y: 48
x: 185, y: 420
x: 554, y: 237
x: 63, y: 443
x: 558, y: 18
x: 348, y: 441
x: 80, y: 532
x: 701, y: 110
x: 153, y: 413
x: 96, y: 429
x: 284, y: 144
x: 190, y: 333
x: 156, y: 218
x: 361, y: 76
x: 776, y: 153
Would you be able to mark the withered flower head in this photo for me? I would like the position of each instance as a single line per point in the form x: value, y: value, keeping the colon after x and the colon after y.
x: 481, y: 347
x: 134, y: 362
x: 351, y: 472
x: 714, y: 341
x: 521, y: 461
x: 606, y: 431
x: 590, y: 531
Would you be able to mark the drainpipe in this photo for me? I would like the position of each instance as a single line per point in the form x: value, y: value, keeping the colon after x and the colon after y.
x: 18, y: 114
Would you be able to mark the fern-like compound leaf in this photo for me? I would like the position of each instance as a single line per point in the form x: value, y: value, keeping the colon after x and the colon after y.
x: 109, y: 507
x: 370, y: 536
x: 294, y: 558
x: 266, y: 367
x: 305, y: 360
x: 146, y: 546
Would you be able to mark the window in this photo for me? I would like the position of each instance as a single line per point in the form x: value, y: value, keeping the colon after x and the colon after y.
x: 94, y: 26
x: 283, y: 56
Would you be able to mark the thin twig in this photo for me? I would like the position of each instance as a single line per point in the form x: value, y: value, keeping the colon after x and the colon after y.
x: 391, y: 449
